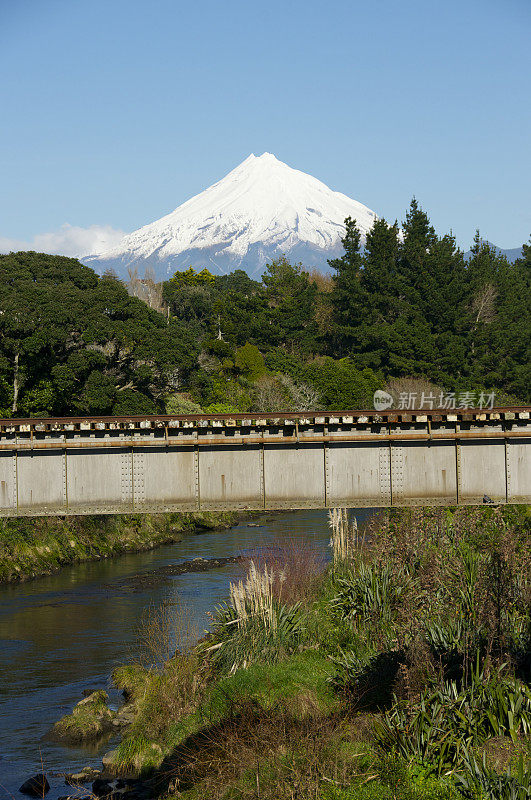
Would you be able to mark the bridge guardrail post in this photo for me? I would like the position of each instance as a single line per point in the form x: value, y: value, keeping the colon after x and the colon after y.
x: 65, y: 476
x: 326, y: 475
x: 15, y: 478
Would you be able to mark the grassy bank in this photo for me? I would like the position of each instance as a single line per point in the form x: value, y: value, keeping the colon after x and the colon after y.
x: 34, y: 546
x: 403, y: 671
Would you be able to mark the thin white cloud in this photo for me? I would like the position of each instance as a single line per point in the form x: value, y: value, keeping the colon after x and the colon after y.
x: 69, y: 240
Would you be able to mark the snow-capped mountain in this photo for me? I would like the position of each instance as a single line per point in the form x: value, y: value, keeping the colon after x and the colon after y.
x: 262, y: 209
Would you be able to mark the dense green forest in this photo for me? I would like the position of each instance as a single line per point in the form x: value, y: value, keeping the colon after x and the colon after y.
x: 407, y: 310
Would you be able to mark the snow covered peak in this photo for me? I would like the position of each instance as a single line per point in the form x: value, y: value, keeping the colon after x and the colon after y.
x: 261, y: 209
x: 264, y: 157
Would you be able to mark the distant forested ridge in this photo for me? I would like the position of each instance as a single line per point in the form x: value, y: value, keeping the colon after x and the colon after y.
x: 408, y: 306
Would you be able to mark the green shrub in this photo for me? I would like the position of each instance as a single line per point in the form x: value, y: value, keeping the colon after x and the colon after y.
x: 249, y: 361
x: 299, y: 684
x: 179, y: 404
x: 221, y: 408
x: 132, y: 680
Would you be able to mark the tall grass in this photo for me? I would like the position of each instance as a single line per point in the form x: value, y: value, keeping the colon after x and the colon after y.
x: 254, y: 624
x: 344, y: 538
x: 163, y: 682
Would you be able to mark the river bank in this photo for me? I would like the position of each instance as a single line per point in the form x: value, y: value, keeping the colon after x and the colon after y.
x: 402, y: 671
x: 32, y: 547
x: 62, y: 635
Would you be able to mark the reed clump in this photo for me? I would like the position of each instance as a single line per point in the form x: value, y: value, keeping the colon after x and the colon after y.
x: 255, y: 623
x: 252, y: 598
x: 296, y: 566
x: 344, y: 538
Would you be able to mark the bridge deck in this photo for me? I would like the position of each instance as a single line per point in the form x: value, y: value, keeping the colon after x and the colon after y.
x: 266, y: 461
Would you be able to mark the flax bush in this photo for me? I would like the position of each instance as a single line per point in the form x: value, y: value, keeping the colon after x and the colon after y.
x: 480, y: 781
x: 443, y: 588
x: 370, y: 593
x: 408, y: 659
x: 445, y: 723
x: 439, y: 607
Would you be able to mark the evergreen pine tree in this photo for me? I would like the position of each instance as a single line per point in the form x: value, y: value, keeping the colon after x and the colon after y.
x: 418, y: 238
x: 379, y: 291
x: 347, y: 295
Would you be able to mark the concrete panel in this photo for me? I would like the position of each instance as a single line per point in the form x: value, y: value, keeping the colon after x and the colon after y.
x: 294, y: 476
x: 518, y: 471
x: 8, y: 475
x: 358, y: 475
x: 231, y: 477
x: 424, y: 474
x: 482, y: 471
x: 165, y: 477
x: 99, y: 479
x: 41, y: 480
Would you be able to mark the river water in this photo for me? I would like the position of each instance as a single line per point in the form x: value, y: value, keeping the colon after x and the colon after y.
x: 63, y: 634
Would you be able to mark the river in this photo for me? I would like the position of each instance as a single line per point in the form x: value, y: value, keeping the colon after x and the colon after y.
x: 63, y: 634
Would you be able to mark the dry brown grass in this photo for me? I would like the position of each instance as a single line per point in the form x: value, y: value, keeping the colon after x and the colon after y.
x: 173, y: 695
x: 500, y: 752
x: 172, y: 674
x: 162, y: 631
x: 300, y: 564
x: 272, y: 756
x: 416, y: 387
x: 323, y: 281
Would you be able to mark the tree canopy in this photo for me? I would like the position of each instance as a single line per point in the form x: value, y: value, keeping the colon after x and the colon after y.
x: 411, y: 304
x: 404, y: 303
x: 71, y: 342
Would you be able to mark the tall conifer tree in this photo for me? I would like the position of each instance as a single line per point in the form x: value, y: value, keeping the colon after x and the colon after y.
x: 346, y: 296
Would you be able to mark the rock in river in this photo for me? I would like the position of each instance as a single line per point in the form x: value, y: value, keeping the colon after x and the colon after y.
x: 37, y: 786
x: 108, y: 759
x: 83, y: 776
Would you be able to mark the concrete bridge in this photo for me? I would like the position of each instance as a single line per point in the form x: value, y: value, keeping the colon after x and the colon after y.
x: 308, y: 459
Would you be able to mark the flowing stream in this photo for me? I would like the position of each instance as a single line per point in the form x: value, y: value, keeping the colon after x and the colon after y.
x: 63, y: 634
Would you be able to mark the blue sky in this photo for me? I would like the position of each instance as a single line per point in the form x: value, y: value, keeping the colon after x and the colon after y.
x: 116, y: 111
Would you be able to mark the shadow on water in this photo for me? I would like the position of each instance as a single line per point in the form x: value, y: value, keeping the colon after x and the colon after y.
x: 63, y: 634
